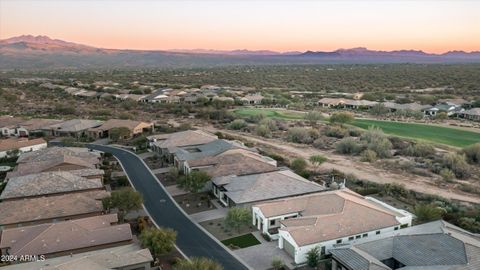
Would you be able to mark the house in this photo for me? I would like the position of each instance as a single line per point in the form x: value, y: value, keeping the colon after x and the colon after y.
x: 255, y: 99
x: 165, y: 146
x: 324, y: 220
x: 436, y: 245
x: 66, y: 237
x: 359, y: 104
x: 331, y: 102
x: 48, y: 183
x: 158, y: 96
x: 232, y: 162
x: 212, y: 148
x: 415, y: 107
x: 472, y: 114
x: 459, y: 102
x: 56, y: 164
x: 449, y: 109
x: 34, y: 126
x: 8, y: 125
x: 125, y: 257
x: 73, y: 128
x: 26, y: 212
x: 134, y: 127
x: 14, y: 146
x: 245, y: 190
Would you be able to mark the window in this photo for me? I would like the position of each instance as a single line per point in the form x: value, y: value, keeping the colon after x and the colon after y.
x: 350, y: 238
x: 404, y: 225
x: 377, y: 232
x: 322, y: 251
x: 272, y: 222
x: 365, y: 235
x: 358, y: 236
x: 339, y: 241
x: 395, y: 229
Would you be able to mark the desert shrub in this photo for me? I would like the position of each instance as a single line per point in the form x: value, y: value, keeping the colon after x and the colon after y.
x: 264, y: 131
x: 313, y: 117
x: 319, y: 143
x: 355, y: 132
x: 270, y: 123
x: 428, y: 212
x: 341, y: 118
x: 458, y: 164
x: 314, y: 134
x: 299, y: 135
x: 441, y: 116
x: 472, y: 153
x: 257, y: 117
x: 237, y: 124
x: 336, y: 132
x: 348, y: 146
x: 420, y: 149
x: 377, y: 142
x: 447, y: 174
x: 369, y: 155
x: 298, y: 165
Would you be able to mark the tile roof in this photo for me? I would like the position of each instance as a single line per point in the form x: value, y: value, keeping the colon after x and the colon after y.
x: 185, y: 138
x: 75, y: 125
x: 45, y: 208
x: 17, y: 143
x: 265, y: 186
x: 116, y: 123
x: 42, y: 166
x: 6, y: 121
x: 104, y: 259
x: 38, y: 123
x: 330, y: 215
x: 53, y: 152
x: 234, y: 162
x: 474, y: 111
x: 436, y: 245
x: 51, y: 238
x: 47, y: 183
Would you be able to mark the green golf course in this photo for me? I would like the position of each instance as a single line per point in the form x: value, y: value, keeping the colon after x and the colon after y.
x: 437, y: 134
x: 271, y: 113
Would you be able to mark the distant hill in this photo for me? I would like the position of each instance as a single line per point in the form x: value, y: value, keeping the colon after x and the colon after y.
x: 42, y: 52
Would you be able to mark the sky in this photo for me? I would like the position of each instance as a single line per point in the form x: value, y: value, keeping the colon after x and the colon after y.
x: 283, y: 25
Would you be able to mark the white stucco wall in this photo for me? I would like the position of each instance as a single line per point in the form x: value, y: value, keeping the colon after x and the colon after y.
x: 26, y: 149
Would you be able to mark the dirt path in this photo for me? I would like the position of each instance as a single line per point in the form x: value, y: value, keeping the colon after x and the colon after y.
x: 345, y: 164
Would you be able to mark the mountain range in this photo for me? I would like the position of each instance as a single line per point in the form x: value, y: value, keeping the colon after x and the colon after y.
x: 29, y: 51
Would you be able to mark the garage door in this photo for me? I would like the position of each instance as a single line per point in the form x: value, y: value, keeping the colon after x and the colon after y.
x: 289, y: 248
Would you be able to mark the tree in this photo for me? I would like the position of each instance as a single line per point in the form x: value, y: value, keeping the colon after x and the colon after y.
x: 277, y: 263
x: 313, y: 117
x: 238, y: 217
x: 197, y: 263
x: 317, y: 160
x: 119, y: 133
x: 158, y: 241
x: 125, y: 199
x: 298, y: 165
x: 313, y: 257
x: 140, y: 141
x: 341, y: 118
x: 428, y: 212
x: 194, y: 181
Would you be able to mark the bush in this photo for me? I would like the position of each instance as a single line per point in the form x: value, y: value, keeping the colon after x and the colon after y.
x: 472, y: 153
x: 369, y: 156
x: 341, y: 118
x: 348, y: 146
x: 458, y: 164
x: 355, y: 132
x: 447, y: 174
x: 336, y: 132
x: 377, y: 142
x: 299, y: 135
x: 319, y: 143
x: 313, y: 117
x: 264, y: 131
x: 428, y: 212
x: 298, y: 165
x: 158, y: 241
x: 277, y: 263
x: 313, y: 257
x: 270, y: 123
x: 237, y: 124
x: 420, y: 149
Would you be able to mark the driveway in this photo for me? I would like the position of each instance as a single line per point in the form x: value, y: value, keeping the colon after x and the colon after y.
x: 191, y: 239
x: 260, y: 257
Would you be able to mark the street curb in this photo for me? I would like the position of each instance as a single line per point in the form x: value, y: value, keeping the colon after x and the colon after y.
x: 176, y: 204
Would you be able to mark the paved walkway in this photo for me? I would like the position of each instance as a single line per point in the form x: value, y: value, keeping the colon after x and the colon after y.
x: 161, y: 170
x: 175, y: 191
x: 260, y: 257
x: 210, y: 214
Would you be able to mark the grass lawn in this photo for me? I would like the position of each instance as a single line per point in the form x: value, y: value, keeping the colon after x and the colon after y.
x: 242, y: 241
x: 271, y: 113
x: 436, y: 134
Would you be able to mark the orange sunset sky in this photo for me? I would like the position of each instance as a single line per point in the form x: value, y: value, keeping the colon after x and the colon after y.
x: 432, y: 26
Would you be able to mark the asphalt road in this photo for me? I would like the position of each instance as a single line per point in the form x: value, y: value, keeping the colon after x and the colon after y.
x: 190, y: 239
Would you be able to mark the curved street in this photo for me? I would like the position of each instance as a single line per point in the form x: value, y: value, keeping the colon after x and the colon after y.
x: 191, y: 240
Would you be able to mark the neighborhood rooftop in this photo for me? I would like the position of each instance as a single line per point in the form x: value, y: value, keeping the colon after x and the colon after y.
x: 15, y: 143
x: 65, y: 236
x: 185, y: 138
x: 265, y: 186
x: 45, y: 208
x: 52, y: 152
x: 47, y: 183
x: 209, y: 149
x: 75, y: 125
x: 430, y: 246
